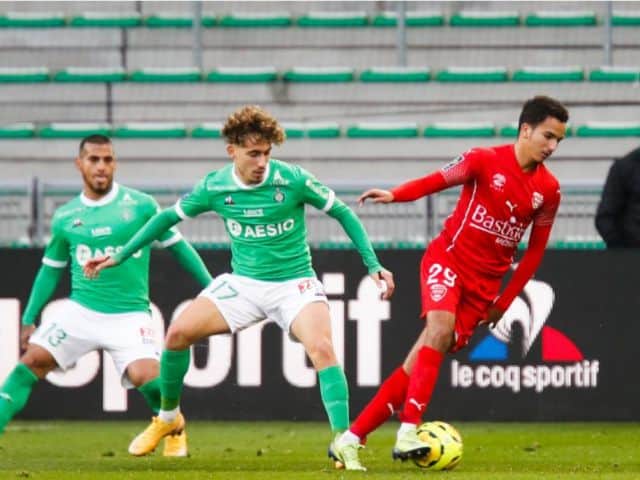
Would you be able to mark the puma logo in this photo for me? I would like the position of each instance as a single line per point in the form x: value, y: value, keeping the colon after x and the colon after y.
x: 418, y: 405
x: 511, y: 206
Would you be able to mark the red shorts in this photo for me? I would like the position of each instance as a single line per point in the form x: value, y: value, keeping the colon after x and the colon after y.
x: 445, y: 285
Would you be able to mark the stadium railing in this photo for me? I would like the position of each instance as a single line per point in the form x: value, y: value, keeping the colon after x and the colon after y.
x: 26, y: 210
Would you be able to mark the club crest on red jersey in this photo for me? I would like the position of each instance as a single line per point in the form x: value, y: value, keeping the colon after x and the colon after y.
x: 537, y: 200
x: 498, y: 182
x: 438, y: 291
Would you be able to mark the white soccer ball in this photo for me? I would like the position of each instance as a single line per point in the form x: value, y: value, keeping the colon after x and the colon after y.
x: 446, y: 446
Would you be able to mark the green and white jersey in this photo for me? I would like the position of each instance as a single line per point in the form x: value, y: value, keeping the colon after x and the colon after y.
x: 265, y: 222
x: 83, y: 228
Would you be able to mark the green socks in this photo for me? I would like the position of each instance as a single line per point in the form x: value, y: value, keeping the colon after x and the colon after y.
x: 335, y: 396
x: 173, y: 367
x: 151, y: 393
x: 15, y: 392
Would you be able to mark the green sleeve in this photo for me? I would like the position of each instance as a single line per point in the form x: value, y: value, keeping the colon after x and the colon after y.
x: 356, y: 232
x: 43, y: 287
x: 188, y: 257
x: 154, y: 228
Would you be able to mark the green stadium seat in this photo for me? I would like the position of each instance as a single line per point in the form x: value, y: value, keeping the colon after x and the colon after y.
x: 484, y: 19
x: 609, y: 129
x: 176, y: 20
x: 511, y: 130
x: 24, y: 74
x: 460, y: 129
x: 554, y: 18
x: 473, y: 74
x: 626, y: 18
x: 207, y: 130
x: 319, y: 74
x: 73, y: 130
x: 150, y: 130
x: 106, y: 20
x: 395, y: 74
x: 32, y: 19
x: 615, y: 74
x: 311, y: 129
x: 17, y: 130
x: 90, y: 74
x: 242, y: 74
x: 548, y: 74
x: 186, y: 74
x: 333, y: 19
x: 383, y: 130
x: 413, y: 18
x: 251, y: 20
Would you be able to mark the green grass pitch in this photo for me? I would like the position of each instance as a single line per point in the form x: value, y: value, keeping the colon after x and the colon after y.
x: 288, y: 450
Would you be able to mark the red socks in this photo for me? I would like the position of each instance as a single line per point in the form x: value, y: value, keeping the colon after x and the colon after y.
x: 389, y: 398
x: 421, y: 384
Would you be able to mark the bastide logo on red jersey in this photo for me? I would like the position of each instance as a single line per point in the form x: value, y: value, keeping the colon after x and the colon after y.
x: 508, y: 232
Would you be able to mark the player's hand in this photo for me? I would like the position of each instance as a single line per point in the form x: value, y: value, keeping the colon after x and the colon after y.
x: 25, y: 335
x: 384, y: 282
x: 377, y: 195
x: 93, y: 266
x: 493, y: 316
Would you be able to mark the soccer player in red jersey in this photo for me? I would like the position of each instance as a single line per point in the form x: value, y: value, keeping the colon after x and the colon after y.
x: 504, y: 190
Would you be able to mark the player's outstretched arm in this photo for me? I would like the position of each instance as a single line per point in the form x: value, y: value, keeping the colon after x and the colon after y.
x: 191, y: 261
x: 156, y: 226
x: 376, y: 195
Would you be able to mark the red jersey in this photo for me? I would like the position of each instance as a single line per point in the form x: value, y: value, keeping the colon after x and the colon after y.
x: 497, y: 204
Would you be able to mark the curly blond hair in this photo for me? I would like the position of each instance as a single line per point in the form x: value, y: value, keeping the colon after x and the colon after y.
x: 252, y: 123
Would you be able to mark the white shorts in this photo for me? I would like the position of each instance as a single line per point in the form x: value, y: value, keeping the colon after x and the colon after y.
x: 244, y: 301
x: 71, y: 331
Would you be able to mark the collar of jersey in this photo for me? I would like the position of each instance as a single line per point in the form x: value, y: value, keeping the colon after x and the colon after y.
x: 241, y: 184
x: 108, y: 198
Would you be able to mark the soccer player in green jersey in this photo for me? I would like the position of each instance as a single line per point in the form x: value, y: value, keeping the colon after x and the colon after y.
x: 111, y: 313
x: 261, y: 201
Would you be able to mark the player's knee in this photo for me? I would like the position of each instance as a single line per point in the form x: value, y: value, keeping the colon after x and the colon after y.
x: 176, y: 339
x: 439, y: 334
x: 321, y: 352
x: 40, y: 363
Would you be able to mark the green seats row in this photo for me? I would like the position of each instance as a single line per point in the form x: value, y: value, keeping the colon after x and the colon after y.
x: 320, y: 74
x: 305, y: 130
x: 315, y: 19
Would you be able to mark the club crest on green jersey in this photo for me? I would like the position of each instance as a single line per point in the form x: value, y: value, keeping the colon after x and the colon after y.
x: 278, y: 196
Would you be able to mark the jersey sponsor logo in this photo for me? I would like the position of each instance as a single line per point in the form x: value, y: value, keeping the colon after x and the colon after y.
x: 268, y: 230
x: 563, y: 365
x: 253, y: 212
x: 101, y: 231
x: 537, y: 200
x: 509, y: 232
x: 278, y: 180
x: 84, y: 253
x: 498, y: 181
x: 437, y: 292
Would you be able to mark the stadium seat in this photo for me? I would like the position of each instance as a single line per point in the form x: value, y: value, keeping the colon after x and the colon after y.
x: 319, y: 74
x: 106, y: 20
x: 207, y: 130
x: 73, y: 130
x: 460, y: 129
x: 615, y: 74
x: 32, y: 19
x: 413, y: 18
x: 484, y: 19
x: 250, y: 19
x: 511, y: 130
x: 24, y: 75
x: 242, y: 74
x: 554, y: 18
x: 17, y: 130
x: 176, y: 20
x: 609, y: 129
x: 89, y: 74
x: 473, y: 74
x: 311, y: 129
x: 548, y: 74
x: 150, y: 130
x: 395, y: 74
x: 168, y: 75
x: 626, y: 18
x: 383, y: 130
x: 333, y: 19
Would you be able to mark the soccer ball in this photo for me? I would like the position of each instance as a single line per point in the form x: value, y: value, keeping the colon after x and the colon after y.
x: 446, y: 446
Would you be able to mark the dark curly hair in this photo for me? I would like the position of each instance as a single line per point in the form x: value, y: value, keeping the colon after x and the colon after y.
x: 252, y: 123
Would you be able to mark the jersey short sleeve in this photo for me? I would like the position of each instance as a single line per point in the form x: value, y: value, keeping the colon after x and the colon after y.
x: 316, y: 193
x: 171, y: 236
x: 57, y: 252
x: 195, y: 202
